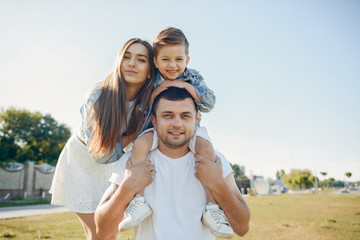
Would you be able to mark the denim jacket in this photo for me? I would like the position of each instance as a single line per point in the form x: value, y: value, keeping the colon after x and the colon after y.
x: 84, y: 132
x: 193, y: 77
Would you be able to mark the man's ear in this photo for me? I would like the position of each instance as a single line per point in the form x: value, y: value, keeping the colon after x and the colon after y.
x: 153, y: 121
x: 198, y: 118
x: 155, y: 62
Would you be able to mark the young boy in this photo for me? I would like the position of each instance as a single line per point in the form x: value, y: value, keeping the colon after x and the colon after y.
x: 171, y: 58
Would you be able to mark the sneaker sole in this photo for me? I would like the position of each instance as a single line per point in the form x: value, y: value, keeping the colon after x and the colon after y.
x: 127, y: 227
x: 217, y: 234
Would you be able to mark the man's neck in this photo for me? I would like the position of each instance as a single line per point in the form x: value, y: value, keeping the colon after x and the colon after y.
x: 173, y: 152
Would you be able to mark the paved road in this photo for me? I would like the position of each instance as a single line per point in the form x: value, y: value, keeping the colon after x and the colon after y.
x: 23, y: 211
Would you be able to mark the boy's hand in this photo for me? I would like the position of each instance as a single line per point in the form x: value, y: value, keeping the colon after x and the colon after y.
x: 174, y: 83
x: 181, y: 84
x: 165, y: 85
x: 156, y: 92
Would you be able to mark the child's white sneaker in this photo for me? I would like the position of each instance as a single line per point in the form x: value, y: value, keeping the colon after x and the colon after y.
x: 135, y: 213
x: 215, y: 219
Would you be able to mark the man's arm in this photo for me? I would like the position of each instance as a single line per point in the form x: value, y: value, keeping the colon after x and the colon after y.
x: 116, y: 198
x: 230, y: 200
x: 225, y: 192
x: 111, y: 210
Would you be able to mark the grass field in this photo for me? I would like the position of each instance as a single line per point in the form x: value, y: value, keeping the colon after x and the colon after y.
x: 320, y: 216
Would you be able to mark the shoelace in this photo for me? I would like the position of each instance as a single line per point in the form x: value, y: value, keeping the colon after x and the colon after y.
x: 132, y: 206
x: 219, y: 216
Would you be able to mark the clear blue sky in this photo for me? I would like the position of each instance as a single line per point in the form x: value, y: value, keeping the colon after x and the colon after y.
x: 286, y: 73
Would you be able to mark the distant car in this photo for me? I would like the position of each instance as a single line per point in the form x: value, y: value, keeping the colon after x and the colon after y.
x: 283, y: 189
x: 281, y: 186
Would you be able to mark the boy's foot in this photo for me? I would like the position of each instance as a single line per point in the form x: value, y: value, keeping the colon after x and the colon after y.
x: 215, y: 219
x: 135, y: 213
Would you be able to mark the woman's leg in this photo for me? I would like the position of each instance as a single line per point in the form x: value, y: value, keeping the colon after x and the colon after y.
x: 87, y: 220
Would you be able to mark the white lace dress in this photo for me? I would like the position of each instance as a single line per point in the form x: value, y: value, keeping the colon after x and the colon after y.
x: 79, y: 182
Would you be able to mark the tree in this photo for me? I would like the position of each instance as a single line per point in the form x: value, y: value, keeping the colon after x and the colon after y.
x: 300, y: 179
x: 331, y: 182
x: 280, y: 174
x: 8, y: 148
x: 323, y: 182
x: 238, y: 172
x: 348, y: 174
x: 278, y: 177
x: 30, y: 136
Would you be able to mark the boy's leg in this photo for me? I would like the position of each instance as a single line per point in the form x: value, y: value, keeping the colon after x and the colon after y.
x: 213, y: 216
x: 138, y: 209
x: 205, y: 149
x: 142, y: 146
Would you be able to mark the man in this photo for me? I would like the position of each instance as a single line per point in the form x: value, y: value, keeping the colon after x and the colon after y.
x: 174, y: 191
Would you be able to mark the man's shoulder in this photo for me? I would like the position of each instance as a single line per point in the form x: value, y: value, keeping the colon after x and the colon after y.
x: 122, y: 161
x: 225, y: 164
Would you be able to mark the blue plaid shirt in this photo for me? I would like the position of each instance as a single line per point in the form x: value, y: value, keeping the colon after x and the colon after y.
x: 193, y: 77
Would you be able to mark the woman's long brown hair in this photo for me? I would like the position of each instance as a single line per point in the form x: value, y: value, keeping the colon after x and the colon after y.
x: 111, y: 109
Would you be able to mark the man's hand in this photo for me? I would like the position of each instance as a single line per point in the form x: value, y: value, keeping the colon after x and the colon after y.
x: 138, y: 176
x: 210, y: 174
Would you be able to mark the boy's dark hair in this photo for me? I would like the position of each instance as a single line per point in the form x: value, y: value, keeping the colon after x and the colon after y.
x: 173, y: 94
x: 170, y: 36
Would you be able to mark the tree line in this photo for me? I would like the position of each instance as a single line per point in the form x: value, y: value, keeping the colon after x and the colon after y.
x: 26, y: 135
x: 303, y: 179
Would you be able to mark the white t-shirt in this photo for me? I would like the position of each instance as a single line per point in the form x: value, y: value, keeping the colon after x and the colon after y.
x: 176, y: 197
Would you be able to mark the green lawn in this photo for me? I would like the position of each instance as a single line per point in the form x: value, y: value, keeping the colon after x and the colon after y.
x: 25, y: 202
x: 320, y: 216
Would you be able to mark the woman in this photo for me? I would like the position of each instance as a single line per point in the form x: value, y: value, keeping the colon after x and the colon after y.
x: 112, y: 117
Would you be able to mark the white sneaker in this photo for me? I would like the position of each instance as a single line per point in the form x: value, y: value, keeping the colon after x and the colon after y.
x: 215, y: 219
x: 135, y: 213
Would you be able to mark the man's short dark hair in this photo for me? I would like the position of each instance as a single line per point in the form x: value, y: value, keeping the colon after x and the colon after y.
x: 173, y: 94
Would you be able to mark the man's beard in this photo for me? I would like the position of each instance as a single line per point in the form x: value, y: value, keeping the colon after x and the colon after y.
x: 174, y: 144
x: 177, y: 145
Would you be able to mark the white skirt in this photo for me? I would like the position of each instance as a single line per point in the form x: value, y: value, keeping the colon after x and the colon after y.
x: 79, y: 182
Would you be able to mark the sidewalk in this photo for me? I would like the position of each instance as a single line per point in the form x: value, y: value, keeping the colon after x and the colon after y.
x: 23, y: 211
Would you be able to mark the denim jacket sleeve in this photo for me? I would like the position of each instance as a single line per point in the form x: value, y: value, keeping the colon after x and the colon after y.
x: 206, y: 95
x: 114, y: 156
x: 84, y: 132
